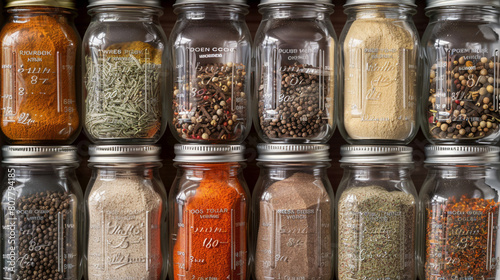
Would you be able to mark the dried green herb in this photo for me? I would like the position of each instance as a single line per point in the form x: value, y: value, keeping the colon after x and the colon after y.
x: 123, y: 97
x: 376, y: 234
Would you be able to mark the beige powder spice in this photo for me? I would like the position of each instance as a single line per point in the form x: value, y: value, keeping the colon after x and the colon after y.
x: 124, y: 230
x: 380, y: 78
x: 294, y: 235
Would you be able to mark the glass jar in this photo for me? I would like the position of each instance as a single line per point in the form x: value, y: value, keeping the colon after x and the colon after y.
x: 293, y: 213
x: 376, y: 211
x: 296, y: 61
x: 379, y: 42
x: 125, y: 72
x: 460, y: 101
x: 211, y: 47
x: 208, y: 213
x: 125, y: 214
x: 41, y: 213
x: 458, y: 219
x: 40, y: 73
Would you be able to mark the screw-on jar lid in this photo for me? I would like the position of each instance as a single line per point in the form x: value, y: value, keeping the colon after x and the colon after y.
x: 399, y: 2
x: 208, y: 153
x: 124, y: 153
x: 455, y: 154
x: 67, y: 4
x: 272, y: 2
x: 40, y: 155
x: 223, y: 2
x: 293, y: 152
x: 376, y: 154
x: 446, y: 3
x: 147, y: 3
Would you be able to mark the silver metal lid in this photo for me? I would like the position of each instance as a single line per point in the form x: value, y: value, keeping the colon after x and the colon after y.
x: 293, y: 152
x: 461, y: 154
x: 208, y: 153
x: 376, y: 154
x: 223, y: 2
x: 398, y: 2
x: 67, y: 4
x: 124, y: 153
x: 147, y: 3
x: 445, y: 3
x: 40, y: 155
x: 272, y: 2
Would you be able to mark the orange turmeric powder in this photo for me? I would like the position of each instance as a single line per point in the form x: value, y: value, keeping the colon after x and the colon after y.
x: 38, y: 87
x: 211, y: 240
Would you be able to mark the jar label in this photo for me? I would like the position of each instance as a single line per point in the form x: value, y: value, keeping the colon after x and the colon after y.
x: 211, y: 52
x: 362, y: 239
x: 379, y: 89
x: 293, y: 243
x: 122, y: 243
x: 33, y: 76
x: 376, y: 234
x: 209, y: 238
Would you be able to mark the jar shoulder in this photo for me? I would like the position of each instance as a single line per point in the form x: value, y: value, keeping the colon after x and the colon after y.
x: 452, y: 34
x: 17, y: 34
x: 194, y: 33
x: 293, y: 31
x: 297, y: 186
x: 439, y: 189
x: 101, y: 35
x: 185, y: 190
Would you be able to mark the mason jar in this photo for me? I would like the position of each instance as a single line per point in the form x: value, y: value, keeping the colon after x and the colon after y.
x: 458, y: 219
x: 125, y: 67
x: 376, y: 214
x: 40, y: 75
x: 380, y: 47
x: 41, y: 212
x: 292, y: 220
x: 211, y: 49
x: 295, y: 53
x: 459, y: 70
x: 208, y: 213
x: 126, y: 220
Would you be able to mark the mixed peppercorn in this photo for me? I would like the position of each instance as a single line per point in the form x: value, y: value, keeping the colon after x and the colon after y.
x: 463, y: 101
x: 213, y: 106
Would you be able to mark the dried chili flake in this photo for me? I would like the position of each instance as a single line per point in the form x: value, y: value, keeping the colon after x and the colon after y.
x: 461, y: 239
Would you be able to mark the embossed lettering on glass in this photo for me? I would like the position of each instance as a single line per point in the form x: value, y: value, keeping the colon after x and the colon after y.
x: 41, y: 213
x: 460, y: 65
x: 211, y: 47
x: 39, y: 87
x: 380, y: 50
x: 376, y: 211
x: 126, y: 214
x: 209, y: 203
x: 295, y: 53
x: 458, y: 222
x: 293, y: 213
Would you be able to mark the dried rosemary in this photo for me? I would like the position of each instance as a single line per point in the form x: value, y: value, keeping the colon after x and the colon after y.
x: 123, y: 96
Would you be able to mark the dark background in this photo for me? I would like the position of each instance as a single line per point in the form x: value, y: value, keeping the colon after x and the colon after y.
x: 251, y: 171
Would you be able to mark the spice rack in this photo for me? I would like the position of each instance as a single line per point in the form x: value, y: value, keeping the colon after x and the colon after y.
x: 475, y: 163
